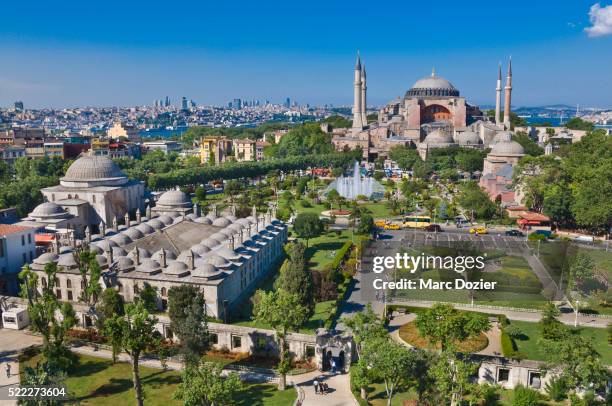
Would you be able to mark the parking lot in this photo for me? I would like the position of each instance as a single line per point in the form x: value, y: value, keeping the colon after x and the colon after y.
x: 415, y: 238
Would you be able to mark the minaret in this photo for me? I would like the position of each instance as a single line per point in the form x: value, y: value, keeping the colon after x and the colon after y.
x: 364, y: 104
x: 357, y: 116
x: 508, y: 101
x: 498, y: 90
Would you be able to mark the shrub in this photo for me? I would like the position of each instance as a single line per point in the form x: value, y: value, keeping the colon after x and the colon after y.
x: 536, y: 237
x: 508, y: 346
x: 305, y: 203
x: 525, y: 397
x: 513, y: 331
x: 556, y: 389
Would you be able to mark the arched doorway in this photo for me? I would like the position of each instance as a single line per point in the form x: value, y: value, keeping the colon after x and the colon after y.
x: 435, y: 113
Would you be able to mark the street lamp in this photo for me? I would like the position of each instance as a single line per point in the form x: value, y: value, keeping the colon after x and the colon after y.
x: 576, y: 313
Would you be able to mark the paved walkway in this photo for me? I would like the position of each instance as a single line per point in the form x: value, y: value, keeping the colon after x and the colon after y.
x: 339, y: 390
x: 11, y: 343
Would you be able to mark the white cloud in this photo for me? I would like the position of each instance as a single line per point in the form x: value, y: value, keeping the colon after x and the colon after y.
x: 601, y: 18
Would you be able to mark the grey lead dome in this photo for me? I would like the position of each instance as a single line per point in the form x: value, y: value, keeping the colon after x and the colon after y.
x: 93, y: 168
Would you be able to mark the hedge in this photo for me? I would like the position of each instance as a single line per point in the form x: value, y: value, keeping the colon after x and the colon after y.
x: 236, y: 170
x: 507, y: 344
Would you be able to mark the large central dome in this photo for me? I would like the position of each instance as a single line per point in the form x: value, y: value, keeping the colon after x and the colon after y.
x: 97, y: 170
x: 432, y: 86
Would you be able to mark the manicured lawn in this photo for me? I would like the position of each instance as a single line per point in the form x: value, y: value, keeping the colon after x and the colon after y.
x: 530, y: 346
x: 379, y: 210
x: 410, y: 334
x: 377, y: 396
x: 96, y: 381
x: 321, y: 250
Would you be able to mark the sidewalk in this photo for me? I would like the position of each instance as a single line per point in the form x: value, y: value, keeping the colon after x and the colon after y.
x: 11, y: 343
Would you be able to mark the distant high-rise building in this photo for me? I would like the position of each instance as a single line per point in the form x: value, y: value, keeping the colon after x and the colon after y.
x: 167, y: 101
x: 237, y: 104
x: 184, y: 105
x: 18, y: 106
x: 192, y: 104
x: 288, y: 102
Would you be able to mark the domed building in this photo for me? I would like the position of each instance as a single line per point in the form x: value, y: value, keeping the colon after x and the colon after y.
x: 95, y: 190
x: 432, y: 103
x: 498, y: 167
x: 173, y: 201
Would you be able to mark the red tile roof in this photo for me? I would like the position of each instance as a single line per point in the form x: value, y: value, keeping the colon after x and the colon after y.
x: 6, y: 229
x: 531, y: 216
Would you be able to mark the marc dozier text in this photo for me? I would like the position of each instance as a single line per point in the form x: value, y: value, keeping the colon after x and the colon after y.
x: 412, y: 263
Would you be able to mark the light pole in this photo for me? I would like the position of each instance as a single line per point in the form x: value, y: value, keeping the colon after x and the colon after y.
x: 576, y: 313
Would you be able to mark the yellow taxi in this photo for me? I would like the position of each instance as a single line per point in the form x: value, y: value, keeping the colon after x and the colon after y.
x: 380, y: 223
x: 478, y: 230
x: 391, y: 226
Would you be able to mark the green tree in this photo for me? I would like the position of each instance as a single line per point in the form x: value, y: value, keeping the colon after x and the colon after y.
x: 111, y: 304
x: 204, y: 385
x: 472, y: 198
x: 530, y: 146
x: 577, y: 123
x: 296, y: 279
x: 307, y: 226
x: 523, y: 396
x: 366, y: 224
x: 200, y: 194
x: 48, y: 316
x: 283, y: 312
x: 452, y: 376
x: 187, y: 313
x: 148, y: 297
x: 443, y: 325
x: 43, y: 374
x: 136, y: 334
x: 365, y: 325
x: 389, y: 361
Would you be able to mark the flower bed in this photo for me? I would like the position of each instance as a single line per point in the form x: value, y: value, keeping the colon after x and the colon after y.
x: 410, y: 334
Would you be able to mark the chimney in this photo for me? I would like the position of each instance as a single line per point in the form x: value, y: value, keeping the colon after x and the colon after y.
x: 138, y: 216
x: 232, y: 243
x: 56, y: 245
x: 254, y: 212
x: 241, y: 236
x: 127, y: 219
x: 196, y: 209
x: 87, y: 234
x: 136, y: 256
x: 191, y: 260
x: 162, y: 258
x: 115, y: 223
x: 233, y: 209
x: 148, y: 211
x: 109, y: 255
x: 102, y: 228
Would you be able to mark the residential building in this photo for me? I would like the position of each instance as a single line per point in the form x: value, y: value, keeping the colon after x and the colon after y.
x: 215, y: 149
x: 244, y: 149
x: 17, y: 248
x: 10, y: 153
x: 120, y: 129
x: 165, y: 146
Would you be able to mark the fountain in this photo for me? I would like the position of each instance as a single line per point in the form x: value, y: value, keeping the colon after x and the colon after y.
x: 355, y: 185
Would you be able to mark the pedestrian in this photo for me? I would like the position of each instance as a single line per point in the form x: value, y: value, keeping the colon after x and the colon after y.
x: 333, y: 365
x: 8, y: 370
x: 316, y: 386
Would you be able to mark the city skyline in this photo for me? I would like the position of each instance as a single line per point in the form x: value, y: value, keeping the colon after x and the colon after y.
x: 68, y: 56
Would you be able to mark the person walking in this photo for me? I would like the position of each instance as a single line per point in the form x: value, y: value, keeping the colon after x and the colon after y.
x: 333, y: 365
x: 316, y: 386
x: 8, y: 370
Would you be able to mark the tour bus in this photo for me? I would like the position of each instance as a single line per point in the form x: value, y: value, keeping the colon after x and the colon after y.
x: 416, y: 221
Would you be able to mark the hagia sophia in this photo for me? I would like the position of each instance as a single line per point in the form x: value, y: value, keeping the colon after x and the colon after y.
x: 433, y: 114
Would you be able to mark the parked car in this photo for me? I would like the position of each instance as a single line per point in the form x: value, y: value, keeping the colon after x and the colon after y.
x: 434, y: 228
x: 478, y: 230
x: 380, y: 223
x: 391, y: 226
x: 515, y: 233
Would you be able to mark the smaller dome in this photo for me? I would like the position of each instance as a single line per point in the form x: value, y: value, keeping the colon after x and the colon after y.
x: 48, y: 210
x: 106, y: 244
x: 95, y: 249
x: 227, y: 232
x: 217, y: 261
x: 501, y: 136
x: 203, y: 220
x: 142, y: 253
x: 219, y: 236
x: 46, y: 258
x: 200, y: 249
x: 183, y: 256
x: 468, y: 138
x: 148, y: 266
x: 176, y: 268
x: 134, y: 233
x: 156, y: 224
x: 207, y: 271
x: 67, y: 260
x: 101, y: 259
x: 231, y: 218
x: 227, y: 253
x: 192, y: 216
x: 119, y: 252
x: 167, y: 220
x: 121, y: 239
x: 244, y: 222
x: 210, y: 242
x: 173, y: 214
x: 169, y: 256
x: 174, y: 198
x: 221, y: 222
x: 438, y: 137
x: 507, y: 148
x: 125, y: 264
x: 144, y: 228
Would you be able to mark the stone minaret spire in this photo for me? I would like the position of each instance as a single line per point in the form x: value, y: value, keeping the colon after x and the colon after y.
x: 115, y: 224
x: 138, y: 216
x: 148, y: 211
x: 126, y: 218
x: 102, y: 228
x: 357, y: 116
x: 364, y: 102
x: 508, y: 100
x: 498, y: 89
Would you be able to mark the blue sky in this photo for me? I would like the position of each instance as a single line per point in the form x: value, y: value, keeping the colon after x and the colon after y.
x: 68, y: 53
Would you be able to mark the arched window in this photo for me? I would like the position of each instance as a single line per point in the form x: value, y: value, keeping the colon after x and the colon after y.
x: 68, y: 283
x: 163, y: 292
x: 76, y: 196
x: 93, y: 199
x: 136, y: 290
x: 69, y: 196
x: 44, y: 282
x: 57, y: 282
